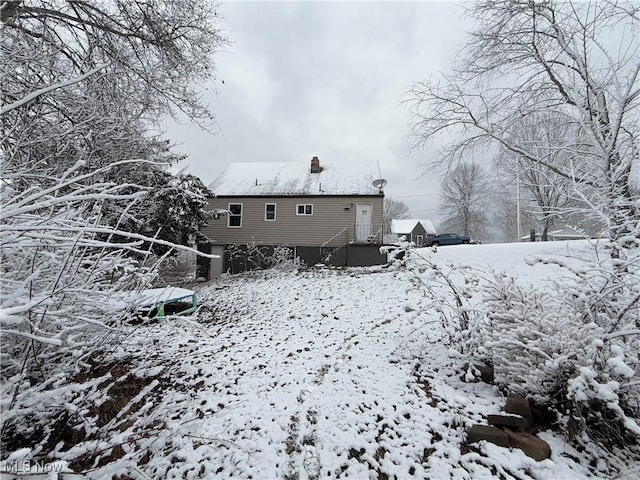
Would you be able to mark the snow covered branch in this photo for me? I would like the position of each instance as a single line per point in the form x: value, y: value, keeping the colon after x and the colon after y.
x: 42, y: 91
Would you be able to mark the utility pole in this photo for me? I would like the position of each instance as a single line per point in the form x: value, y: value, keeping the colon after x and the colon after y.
x: 518, y: 200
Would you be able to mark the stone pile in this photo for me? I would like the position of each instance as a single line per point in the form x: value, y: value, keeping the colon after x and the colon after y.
x: 513, y: 428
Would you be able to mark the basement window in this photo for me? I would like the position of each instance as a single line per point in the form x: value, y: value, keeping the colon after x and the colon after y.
x: 235, y: 215
x: 304, y: 209
x: 270, y: 212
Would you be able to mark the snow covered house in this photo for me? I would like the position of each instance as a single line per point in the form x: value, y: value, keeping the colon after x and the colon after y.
x: 558, y: 235
x: 413, y: 229
x: 567, y: 233
x: 330, y: 213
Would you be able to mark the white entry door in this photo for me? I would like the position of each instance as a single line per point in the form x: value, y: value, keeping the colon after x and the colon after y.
x: 364, y: 216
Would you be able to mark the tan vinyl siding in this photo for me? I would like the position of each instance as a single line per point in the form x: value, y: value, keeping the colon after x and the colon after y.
x: 329, y: 218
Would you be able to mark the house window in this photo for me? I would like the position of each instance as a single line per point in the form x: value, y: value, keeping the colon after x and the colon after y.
x: 235, y: 215
x: 304, y: 209
x: 269, y: 212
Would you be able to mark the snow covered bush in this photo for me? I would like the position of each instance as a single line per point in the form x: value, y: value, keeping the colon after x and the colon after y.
x: 398, y: 252
x: 64, y: 294
x: 173, y: 209
x: 533, y: 339
x: 451, y: 291
x: 181, y: 265
x: 254, y: 256
x: 56, y: 252
x: 572, y: 346
x: 283, y: 258
x: 85, y: 191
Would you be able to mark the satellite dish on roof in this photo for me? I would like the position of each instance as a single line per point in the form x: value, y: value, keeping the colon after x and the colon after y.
x: 379, y: 183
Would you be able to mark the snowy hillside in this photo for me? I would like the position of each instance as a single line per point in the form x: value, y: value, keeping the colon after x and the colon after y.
x: 319, y: 373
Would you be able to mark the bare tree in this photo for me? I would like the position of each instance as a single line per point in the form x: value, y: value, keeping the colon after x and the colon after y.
x: 538, y: 184
x: 577, y: 62
x: 465, y: 193
x: 153, y: 55
x: 84, y: 81
x: 504, y: 206
x: 393, y: 209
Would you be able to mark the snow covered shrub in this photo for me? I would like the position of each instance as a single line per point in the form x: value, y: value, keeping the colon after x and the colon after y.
x: 64, y: 293
x: 181, y: 265
x: 283, y: 258
x: 449, y: 292
x: 55, y: 292
x: 572, y: 346
x: 605, y: 290
x: 533, y: 339
x: 59, y: 267
x: 254, y: 256
x: 398, y: 252
x: 86, y: 192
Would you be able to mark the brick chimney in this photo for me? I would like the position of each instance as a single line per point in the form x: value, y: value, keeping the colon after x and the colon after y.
x: 315, y: 165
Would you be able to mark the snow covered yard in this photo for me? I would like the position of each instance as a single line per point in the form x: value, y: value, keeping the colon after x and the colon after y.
x: 322, y: 373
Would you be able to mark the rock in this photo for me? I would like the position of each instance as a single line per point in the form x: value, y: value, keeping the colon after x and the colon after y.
x: 542, y: 415
x: 531, y: 445
x: 520, y: 406
x: 506, y: 420
x: 486, y: 373
x: 486, y: 432
x: 477, y: 372
x: 470, y: 374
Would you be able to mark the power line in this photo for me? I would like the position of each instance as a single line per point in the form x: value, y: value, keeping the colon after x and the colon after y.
x: 417, y: 195
x: 424, y: 209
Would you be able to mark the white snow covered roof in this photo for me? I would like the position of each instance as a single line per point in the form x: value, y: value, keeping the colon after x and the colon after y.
x: 295, y: 178
x: 406, y: 225
x: 567, y: 232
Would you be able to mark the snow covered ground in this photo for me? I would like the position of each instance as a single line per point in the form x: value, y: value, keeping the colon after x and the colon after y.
x: 325, y: 373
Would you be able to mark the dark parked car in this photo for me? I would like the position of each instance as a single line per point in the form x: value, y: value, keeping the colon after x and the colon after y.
x: 446, y: 239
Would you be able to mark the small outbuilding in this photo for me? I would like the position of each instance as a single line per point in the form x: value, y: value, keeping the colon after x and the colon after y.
x: 415, y: 230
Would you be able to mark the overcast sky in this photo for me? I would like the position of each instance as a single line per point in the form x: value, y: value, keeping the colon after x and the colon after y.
x: 327, y: 79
